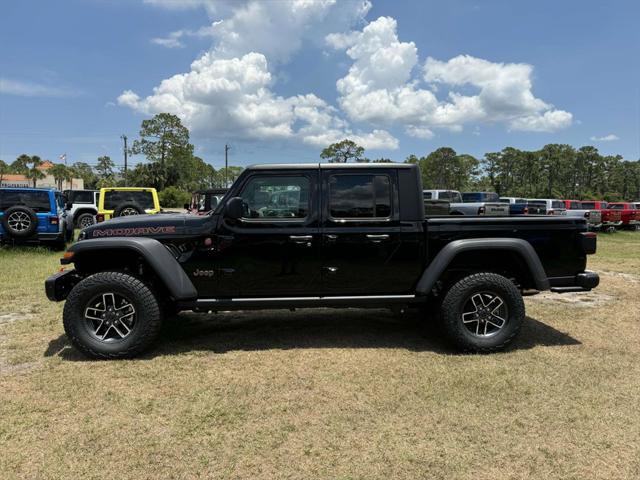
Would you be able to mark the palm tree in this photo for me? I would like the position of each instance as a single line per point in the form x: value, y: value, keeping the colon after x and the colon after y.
x: 60, y: 173
x: 33, y: 173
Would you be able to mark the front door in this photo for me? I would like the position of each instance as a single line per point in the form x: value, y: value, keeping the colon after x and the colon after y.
x: 274, y: 249
x: 362, y: 248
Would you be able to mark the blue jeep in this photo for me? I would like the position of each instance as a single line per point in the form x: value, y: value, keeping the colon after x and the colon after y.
x: 32, y: 215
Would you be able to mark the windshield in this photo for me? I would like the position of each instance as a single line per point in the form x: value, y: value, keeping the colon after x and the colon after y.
x: 37, y: 201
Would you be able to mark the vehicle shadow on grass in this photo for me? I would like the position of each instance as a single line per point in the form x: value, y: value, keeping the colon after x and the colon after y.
x: 281, y: 330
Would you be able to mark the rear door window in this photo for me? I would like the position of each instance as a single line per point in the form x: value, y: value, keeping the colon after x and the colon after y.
x: 359, y: 196
x: 557, y: 204
x: 453, y: 197
x: 81, y: 197
x: 616, y: 206
x: 588, y: 205
x: 37, y: 201
x: 471, y: 197
x: 114, y: 198
x: 575, y: 206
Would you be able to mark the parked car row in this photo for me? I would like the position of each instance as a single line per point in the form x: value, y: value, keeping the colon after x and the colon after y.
x: 33, y: 215
x: 599, y: 215
x: 47, y: 216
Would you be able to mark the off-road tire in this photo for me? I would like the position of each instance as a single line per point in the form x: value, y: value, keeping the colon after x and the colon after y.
x: 128, y: 206
x: 148, y: 316
x: 79, y: 221
x: 451, y: 310
x: 20, y: 210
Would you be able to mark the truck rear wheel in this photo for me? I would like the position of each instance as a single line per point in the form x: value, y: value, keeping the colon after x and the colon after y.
x: 112, y: 315
x: 482, y: 312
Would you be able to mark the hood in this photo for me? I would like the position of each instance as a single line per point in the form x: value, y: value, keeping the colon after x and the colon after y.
x: 154, y: 226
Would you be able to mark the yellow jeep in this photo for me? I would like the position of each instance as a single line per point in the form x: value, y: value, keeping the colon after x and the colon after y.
x: 125, y: 201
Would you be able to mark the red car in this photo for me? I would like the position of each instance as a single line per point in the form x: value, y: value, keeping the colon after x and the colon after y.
x: 611, y: 218
x: 629, y: 213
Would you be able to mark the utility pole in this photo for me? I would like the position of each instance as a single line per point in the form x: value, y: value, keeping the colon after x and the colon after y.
x: 226, y: 165
x: 124, y: 138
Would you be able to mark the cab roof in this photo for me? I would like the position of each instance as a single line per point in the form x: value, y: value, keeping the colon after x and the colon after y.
x: 321, y: 166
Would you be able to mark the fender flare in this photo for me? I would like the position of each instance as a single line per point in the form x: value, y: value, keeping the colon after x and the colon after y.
x: 521, y: 247
x: 161, y: 261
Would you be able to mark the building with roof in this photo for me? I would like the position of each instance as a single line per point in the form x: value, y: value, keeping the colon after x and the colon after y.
x: 16, y: 180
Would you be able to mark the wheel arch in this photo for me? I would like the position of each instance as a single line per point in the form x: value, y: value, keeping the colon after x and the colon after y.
x: 83, y: 210
x: 96, y: 255
x: 517, y: 254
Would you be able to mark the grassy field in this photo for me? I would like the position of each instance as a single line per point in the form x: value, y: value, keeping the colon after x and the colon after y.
x: 327, y: 394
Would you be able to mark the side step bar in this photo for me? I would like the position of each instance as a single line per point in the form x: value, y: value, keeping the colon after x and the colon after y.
x: 360, y: 301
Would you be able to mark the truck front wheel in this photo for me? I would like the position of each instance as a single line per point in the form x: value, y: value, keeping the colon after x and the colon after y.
x: 482, y: 312
x: 111, y: 315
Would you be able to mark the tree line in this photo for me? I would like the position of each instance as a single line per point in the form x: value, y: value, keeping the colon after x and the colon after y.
x: 171, y: 165
x: 554, y: 171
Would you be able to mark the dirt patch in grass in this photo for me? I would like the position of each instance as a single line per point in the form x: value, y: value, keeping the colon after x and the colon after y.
x: 593, y: 298
x: 13, y: 317
x: 327, y: 393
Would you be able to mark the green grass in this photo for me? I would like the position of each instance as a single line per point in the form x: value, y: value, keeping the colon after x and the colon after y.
x: 326, y: 394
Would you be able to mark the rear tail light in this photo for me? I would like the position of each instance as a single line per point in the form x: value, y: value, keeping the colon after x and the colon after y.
x: 54, y: 220
x: 549, y: 212
x: 100, y: 217
x: 525, y: 211
x: 588, y: 240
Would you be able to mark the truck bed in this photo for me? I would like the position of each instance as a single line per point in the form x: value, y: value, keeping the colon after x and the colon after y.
x: 555, y: 239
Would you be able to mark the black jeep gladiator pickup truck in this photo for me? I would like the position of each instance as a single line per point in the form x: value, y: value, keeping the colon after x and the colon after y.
x: 334, y: 235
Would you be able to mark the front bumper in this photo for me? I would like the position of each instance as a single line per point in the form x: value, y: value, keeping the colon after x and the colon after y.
x: 582, y: 282
x: 58, y: 286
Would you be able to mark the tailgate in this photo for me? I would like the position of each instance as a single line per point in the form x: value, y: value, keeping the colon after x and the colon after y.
x: 496, y: 209
x: 595, y: 216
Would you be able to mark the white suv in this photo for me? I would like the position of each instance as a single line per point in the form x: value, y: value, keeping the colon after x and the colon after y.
x: 82, y: 207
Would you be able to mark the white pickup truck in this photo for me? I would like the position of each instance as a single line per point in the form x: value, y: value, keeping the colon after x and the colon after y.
x: 458, y: 206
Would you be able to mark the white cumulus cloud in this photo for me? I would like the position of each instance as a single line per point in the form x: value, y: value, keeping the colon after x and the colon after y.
x: 228, y: 90
x: 232, y: 98
x: 381, y: 87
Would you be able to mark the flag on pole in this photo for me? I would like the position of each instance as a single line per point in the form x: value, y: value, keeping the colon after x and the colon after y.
x: 63, y: 157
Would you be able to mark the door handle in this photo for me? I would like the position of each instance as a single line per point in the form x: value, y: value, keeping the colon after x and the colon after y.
x: 301, y: 239
x: 378, y: 238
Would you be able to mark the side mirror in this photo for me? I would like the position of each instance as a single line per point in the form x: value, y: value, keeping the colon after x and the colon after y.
x: 234, y: 208
x: 186, y: 206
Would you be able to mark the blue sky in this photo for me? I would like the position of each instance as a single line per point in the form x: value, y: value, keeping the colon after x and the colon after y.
x: 277, y: 80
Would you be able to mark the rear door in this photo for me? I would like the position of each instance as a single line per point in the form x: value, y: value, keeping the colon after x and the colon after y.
x: 362, y: 250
